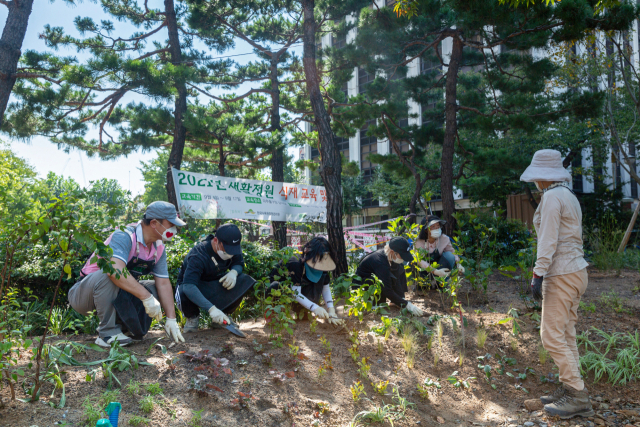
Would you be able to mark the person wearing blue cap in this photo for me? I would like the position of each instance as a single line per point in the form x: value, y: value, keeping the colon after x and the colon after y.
x: 211, y: 278
x: 121, y: 300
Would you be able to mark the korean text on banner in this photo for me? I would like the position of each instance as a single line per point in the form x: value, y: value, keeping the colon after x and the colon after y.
x: 211, y: 197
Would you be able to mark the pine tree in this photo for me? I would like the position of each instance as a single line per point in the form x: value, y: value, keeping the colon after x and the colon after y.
x: 270, y: 27
x: 490, y: 81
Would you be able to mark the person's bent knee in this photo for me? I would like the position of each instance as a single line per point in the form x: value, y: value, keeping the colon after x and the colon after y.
x: 447, y: 260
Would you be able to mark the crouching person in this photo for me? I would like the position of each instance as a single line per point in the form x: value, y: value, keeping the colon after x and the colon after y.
x: 126, y: 303
x: 559, y: 279
x: 211, y: 278
x: 388, y: 266
x: 310, y: 277
x: 439, y: 247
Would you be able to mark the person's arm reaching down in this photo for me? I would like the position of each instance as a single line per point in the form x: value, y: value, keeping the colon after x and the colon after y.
x: 191, y: 278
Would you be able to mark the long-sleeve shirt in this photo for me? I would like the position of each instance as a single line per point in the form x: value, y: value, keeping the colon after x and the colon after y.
x: 558, y: 223
x: 392, y: 276
x: 202, y: 264
x: 442, y: 244
x: 306, y: 292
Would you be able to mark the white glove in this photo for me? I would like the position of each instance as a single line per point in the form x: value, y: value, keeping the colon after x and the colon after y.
x: 460, y: 268
x: 333, y: 317
x: 153, y: 308
x: 443, y: 272
x: 321, y: 312
x: 424, y: 265
x: 413, y: 309
x: 172, y: 330
x: 228, y: 281
x: 217, y: 316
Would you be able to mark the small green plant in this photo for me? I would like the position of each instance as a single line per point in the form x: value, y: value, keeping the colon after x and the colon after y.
x: 423, y: 387
x: 430, y: 341
x: 481, y: 337
x: 357, y: 390
x: 355, y: 355
x: 364, y: 368
x: 409, y: 340
x: 513, y: 344
x: 313, y: 325
x: 436, y: 359
x: 543, y: 354
x: 322, y: 371
x: 146, y: 404
x: 591, y: 307
x: 380, y: 346
x: 137, y: 420
x: 423, y: 391
x: 325, y: 343
x: 380, y: 387
x: 293, y: 348
x: 153, y: 389
x: 196, y: 418
x: 354, y: 336
x: 611, y: 301
x: 323, y: 407
x: 132, y: 388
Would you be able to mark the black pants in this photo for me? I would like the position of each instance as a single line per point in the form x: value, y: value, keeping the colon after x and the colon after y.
x: 225, y: 300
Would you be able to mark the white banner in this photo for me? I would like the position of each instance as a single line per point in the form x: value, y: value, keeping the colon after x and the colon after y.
x: 211, y: 197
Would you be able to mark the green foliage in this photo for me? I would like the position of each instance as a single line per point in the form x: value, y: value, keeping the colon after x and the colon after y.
x: 364, y: 298
x: 615, y: 356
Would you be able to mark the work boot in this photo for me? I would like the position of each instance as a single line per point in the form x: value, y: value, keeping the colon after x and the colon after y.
x: 191, y: 325
x: 553, y: 397
x: 574, y: 403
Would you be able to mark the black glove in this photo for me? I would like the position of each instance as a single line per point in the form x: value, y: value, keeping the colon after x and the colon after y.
x: 536, y: 288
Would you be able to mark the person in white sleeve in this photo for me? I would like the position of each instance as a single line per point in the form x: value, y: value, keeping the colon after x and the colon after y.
x: 559, y: 279
x: 310, y: 279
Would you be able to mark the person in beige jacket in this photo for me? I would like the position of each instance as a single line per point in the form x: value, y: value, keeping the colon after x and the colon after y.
x: 559, y: 279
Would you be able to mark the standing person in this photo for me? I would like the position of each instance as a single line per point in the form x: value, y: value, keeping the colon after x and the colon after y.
x: 559, y: 279
x: 310, y: 276
x: 388, y: 266
x: 123, y: 301
x: 438, y: 245
x: 211, y: 278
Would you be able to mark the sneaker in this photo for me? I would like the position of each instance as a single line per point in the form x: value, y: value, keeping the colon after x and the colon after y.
x: 574, y: 403
x: 106, y: 342
x: 191, y: 325
x: 553, y: 397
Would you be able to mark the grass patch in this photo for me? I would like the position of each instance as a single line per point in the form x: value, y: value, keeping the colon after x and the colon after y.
x: 481, y: 337
x: 153, y: 389
x: 137, y: 420
x: 132, y: 388
x: 147, y: 404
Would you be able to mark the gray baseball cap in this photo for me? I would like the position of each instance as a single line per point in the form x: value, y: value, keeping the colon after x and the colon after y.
x: 164, y: 210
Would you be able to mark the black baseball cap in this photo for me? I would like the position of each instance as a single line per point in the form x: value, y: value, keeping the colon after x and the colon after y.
x: 229, y: 235
x: 401, y: 246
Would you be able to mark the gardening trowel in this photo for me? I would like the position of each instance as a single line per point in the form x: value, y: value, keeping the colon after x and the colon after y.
x: 234, y: 329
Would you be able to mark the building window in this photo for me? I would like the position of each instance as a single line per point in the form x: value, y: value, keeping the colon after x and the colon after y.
x: 364, y: 79
x: 343, y: 146
x: 368, y: 146
x: 339, y: 41
x: 576, y: 164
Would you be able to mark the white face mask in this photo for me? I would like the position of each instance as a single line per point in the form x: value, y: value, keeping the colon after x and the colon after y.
x: 168, y: 233
x: 398, y: 260
x: 436, y: 233
x: 225, y: 256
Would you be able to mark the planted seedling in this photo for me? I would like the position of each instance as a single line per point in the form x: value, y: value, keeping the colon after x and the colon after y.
x: 381, y: 387
x: 323, y: 407
x: 354, y: 353
x: 357, y: 390
x: 147, y: 404
x: 293, y: 349
x: 543, y: 354
x: 364, y: 368
x: 137, y: 420
x: 326, y: 345
x: 243, y: 400
x: 353, y: 336
x: 132, y: 388
x: 514, y: 344
x: 153, y: 389
x: 267, y: 359
x: 257, y: 347
x: 380, y: 346
x: 436, y: 359
x: 313, y: 325
x: 196, y: 418
x: 481, y: 337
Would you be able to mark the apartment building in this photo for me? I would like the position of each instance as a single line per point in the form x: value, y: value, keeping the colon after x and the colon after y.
x: 360, y: 146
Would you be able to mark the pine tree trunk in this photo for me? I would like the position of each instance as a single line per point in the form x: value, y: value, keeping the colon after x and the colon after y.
x: 277, y: 159
x: 180, y: 109
x: 10, y: 48
x: 330, y: 163
x: 451, y: 130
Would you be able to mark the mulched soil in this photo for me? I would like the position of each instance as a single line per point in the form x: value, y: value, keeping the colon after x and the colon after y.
x: 294, y: 401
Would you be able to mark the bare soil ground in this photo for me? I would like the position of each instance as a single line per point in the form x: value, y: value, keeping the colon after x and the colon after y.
x: 294, y: 401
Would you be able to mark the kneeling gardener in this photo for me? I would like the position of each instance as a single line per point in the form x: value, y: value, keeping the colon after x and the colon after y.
x: 211, y: 278
x: 121, y: 302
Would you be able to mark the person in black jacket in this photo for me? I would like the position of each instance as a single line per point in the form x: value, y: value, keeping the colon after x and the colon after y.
x: 310, y: 277
x: 388, y: 266
x: 211, y: 278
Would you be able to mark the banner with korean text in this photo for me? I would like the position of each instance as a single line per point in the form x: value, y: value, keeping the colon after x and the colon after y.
x: 211, y: 197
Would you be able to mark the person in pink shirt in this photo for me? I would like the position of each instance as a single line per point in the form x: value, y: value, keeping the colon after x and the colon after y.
x: 121, y: 299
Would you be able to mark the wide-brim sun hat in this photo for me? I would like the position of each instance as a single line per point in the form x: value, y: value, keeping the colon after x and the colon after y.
x: 325, y: 263
x: 546, y: 165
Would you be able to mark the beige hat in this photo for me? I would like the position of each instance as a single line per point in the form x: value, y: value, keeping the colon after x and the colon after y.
x: 324, y: 264
x: 546, y: 166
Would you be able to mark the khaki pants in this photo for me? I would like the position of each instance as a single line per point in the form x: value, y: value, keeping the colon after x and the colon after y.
x: 97, y: 292
x: 558, y: 327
